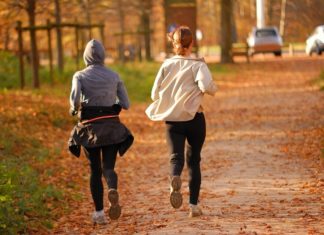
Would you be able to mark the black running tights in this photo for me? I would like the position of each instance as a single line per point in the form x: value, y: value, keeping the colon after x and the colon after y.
x: 194, y: 131
x: 102, y: 162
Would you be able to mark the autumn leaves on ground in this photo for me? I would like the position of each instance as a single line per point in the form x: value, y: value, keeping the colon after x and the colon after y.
x: 262, y: 162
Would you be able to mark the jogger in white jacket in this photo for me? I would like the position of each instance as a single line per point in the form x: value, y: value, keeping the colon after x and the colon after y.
x: 177, y: 95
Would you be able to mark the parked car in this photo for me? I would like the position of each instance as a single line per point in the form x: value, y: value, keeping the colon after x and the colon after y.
x: 264, y: 40
x: 315, y: 42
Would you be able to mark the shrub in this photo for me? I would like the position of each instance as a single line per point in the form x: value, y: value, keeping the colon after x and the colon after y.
x: 9, y: 73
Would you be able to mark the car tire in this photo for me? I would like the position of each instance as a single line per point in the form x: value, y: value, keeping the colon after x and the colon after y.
x: 277, y: 53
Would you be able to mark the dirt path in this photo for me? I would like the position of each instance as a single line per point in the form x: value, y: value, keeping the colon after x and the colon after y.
x: 261, y: 168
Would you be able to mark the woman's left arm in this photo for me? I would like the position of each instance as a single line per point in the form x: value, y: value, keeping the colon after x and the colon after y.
x: 122, y: 95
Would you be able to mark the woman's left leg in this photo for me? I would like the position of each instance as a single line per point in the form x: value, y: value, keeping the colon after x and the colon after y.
x: 196, y: 133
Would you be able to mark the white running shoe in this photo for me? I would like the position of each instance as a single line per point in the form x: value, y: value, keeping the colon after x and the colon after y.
x: 194, y: 211
x: 98, y: 217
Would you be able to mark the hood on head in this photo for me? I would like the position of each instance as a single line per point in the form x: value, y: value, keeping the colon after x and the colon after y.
x: 94, y: 53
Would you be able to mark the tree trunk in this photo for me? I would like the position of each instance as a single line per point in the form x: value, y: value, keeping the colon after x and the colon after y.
x: 33, y: 45
x: 270, y: 12
x: 60, y: 56
x: 21, y: 54
x: 147, y: 34
x: 226, y: 31
x: 89, y: 20
x: 233, y: 24
x: 6, y: 39
x: 283, y: 18
x: 121, y: 45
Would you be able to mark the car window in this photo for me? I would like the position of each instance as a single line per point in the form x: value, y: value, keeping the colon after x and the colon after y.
x: 265, y: 33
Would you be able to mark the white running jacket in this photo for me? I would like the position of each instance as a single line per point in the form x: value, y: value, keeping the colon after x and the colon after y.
x: 179, y: 88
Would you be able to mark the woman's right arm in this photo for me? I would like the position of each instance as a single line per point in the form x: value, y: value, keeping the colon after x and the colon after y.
x: 205, y: 80
x: 75, y: 95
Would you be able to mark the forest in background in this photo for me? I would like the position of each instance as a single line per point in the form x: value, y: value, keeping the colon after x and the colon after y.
x: 123, y: 19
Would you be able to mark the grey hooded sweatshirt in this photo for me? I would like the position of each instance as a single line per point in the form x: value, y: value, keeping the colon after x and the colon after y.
x: 97, y: 85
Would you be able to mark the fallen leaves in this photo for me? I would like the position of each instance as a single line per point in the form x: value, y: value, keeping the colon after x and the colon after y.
x: 252, y: 117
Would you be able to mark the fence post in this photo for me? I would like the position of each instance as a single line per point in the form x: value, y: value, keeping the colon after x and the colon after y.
x: 76, y: 28
x: 20, y: 53
x: 50, y: 54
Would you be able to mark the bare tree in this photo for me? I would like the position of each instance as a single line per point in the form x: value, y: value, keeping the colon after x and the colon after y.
x: 86, y: 6
x: 60, y: 56
x: 226, y: 31
x: 31, y: 5
x: 121, y: 14
x: 145, y: 9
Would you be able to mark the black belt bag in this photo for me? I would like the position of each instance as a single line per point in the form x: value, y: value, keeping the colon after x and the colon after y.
x: 91, y: 112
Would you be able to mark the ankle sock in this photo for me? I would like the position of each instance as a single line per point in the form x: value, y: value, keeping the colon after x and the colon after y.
x: 100, y: 213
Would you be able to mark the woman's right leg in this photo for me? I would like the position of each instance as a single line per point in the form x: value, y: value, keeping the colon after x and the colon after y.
x: 109, y: 154
x: 93, y: 155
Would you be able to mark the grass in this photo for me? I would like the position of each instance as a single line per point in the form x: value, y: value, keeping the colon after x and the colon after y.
x: 138, y: 77
x: 26, y: 203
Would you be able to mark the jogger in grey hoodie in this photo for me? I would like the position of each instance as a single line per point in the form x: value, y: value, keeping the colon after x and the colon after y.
x: 98, y: 95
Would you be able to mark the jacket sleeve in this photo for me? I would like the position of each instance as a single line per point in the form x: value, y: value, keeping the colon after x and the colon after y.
x: 122, y: 95
x: 157, y: 84
x: 205, y: 80
x: 75, y: 93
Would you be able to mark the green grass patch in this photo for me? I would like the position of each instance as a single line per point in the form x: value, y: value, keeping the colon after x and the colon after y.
x: 138, y: 77
x: 25, y: 203
x: 9, y: 73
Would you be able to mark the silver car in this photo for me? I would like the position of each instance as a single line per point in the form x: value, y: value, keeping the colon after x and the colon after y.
x: 315, y: 42
x: 265, y: 40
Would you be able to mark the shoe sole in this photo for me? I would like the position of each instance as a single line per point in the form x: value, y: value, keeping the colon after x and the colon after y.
x: 115, y: 210
x: 99, y: 222
x: 176, y: 196
x: 194, y: 214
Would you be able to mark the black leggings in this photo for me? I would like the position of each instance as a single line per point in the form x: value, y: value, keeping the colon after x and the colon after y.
x: 194, y: 131
x: 108, y: 160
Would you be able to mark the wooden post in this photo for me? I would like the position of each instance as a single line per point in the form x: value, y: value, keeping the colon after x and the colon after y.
x: 21, y: 59
x: 139, y: 42
x: 77, y: 45
x: 60, y: 54
x: 50, y: 54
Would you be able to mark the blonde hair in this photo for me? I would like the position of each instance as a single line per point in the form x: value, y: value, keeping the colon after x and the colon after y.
x: 181, y: 39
